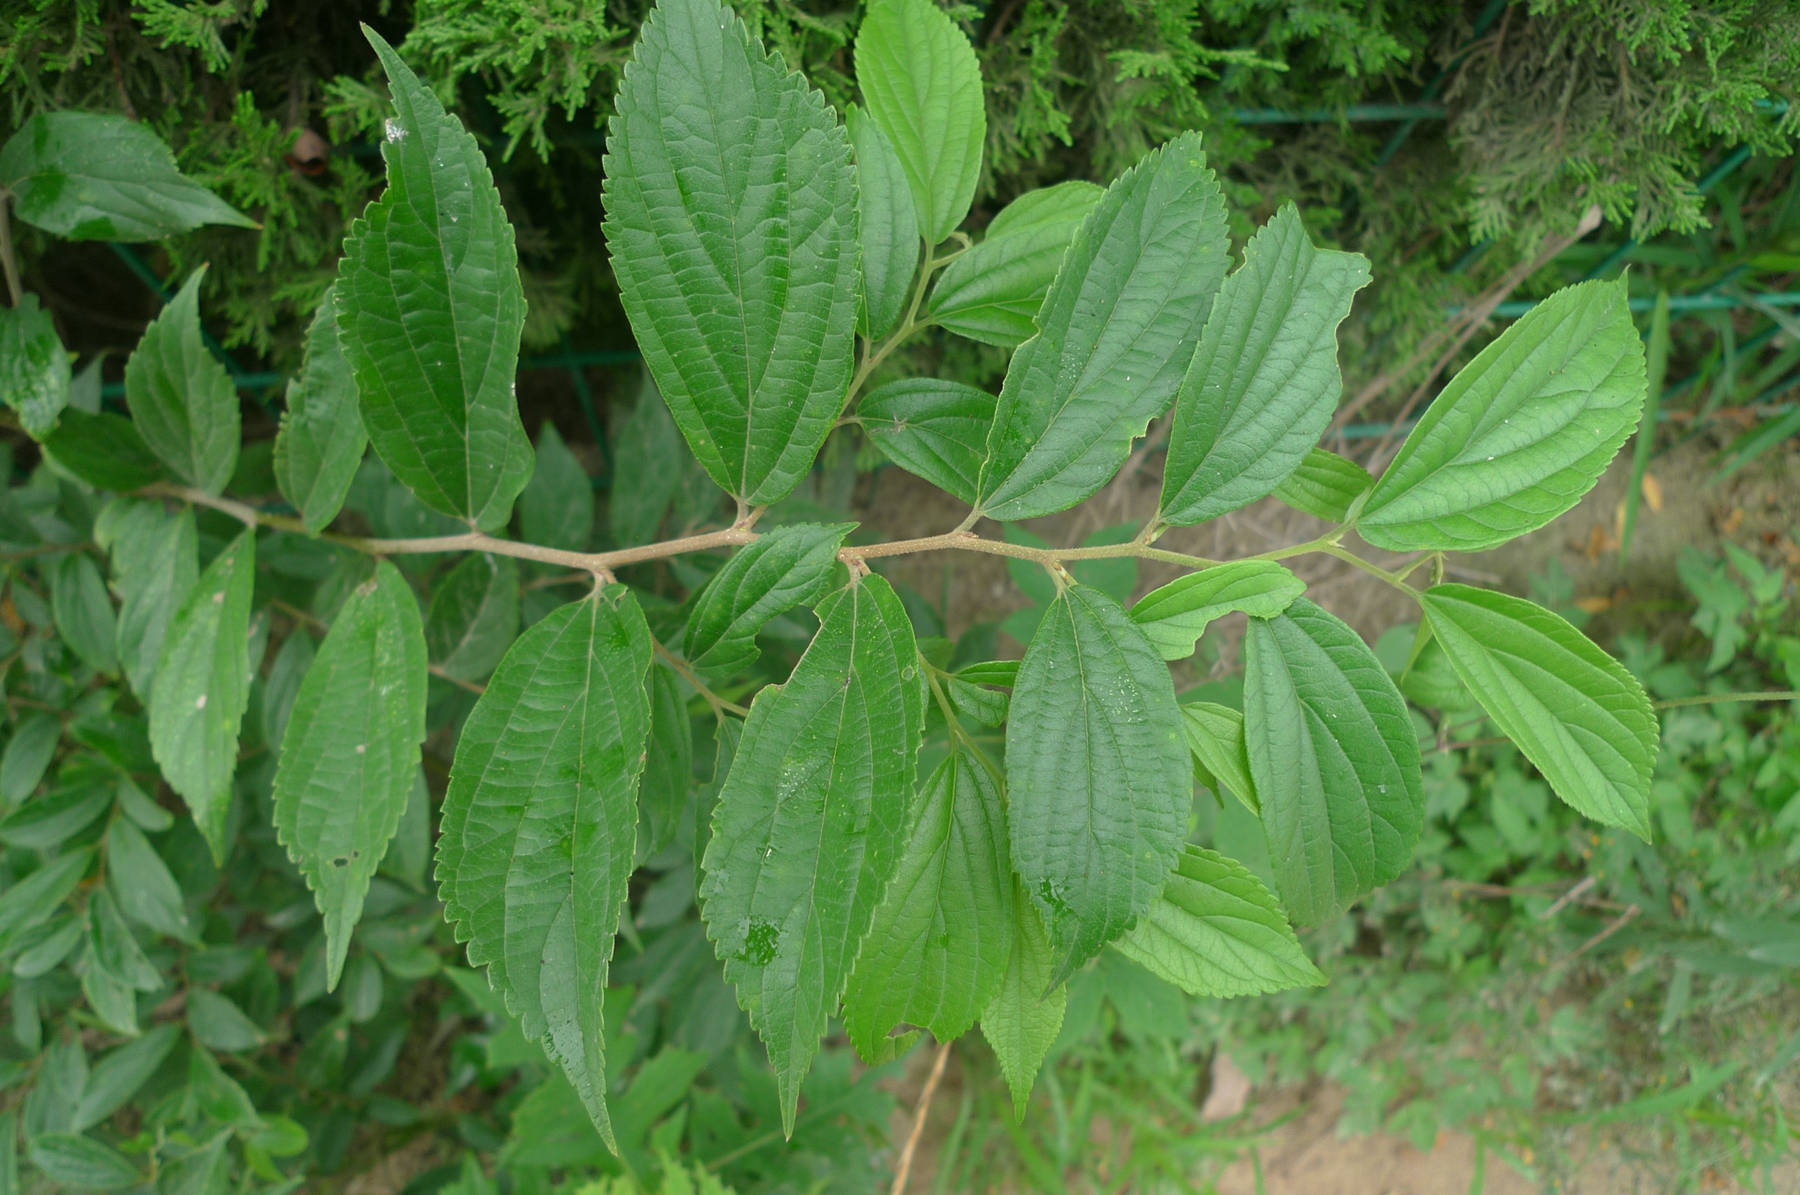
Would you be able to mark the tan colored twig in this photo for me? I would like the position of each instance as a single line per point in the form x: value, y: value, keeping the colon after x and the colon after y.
x: 1566, y: 899
x: 920, y: 1114
x: 437, y: 670
x: 720, y: 706
x: 1618, y: 923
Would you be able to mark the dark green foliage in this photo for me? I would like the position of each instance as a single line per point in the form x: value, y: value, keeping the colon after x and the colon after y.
x: 609, y: 826
x: 1560, y: 104
x: 1618, y: 102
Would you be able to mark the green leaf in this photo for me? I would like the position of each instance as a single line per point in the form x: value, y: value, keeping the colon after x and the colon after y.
x: 114, y: 946
x: 648, y: 464
x: 785, y: 568
x: 992, y: 293
x: 474, y: 615
x: 1174, y: 616
x: 1521, y: 433
x: 155, y: 564
x: 557, y: 507
x: 45, y: 949
x: 119, y: 1076
x: 84, y: 613
x: 104, y: 450
x: 34, y: 367
x: 80, y: 1163
x: 1099, y: 779
x: 322, y: 438
x: 112, y: 1001
x: 1215, y: 735
x: 731, y: 220
x: 1334, y: 759
x: 1427, y: 678
x: 90, y: 177
x: 1118, y: 329
x: 1264, y: 381
x: 183, y: 402
x: 45, y: 822
x: 202, y: 686
x: 922, y: 84
x: 933, y: 429
x: 408, y: 857
x: 939, y: 945
x: 28, y: 754
x: 889, y: 224
x: 350, y: 754
x: 216, y: 1093
x: 30, y: 901
x: 282, y: 685
x: 1216, y: 931
x: 84, y: 387
x: 668, y: 766
x: 1025, y: 1015
x: 219, y: 1024
x: 986, y: 706
x: 9, y: 1153
x: 1325, y: 485
x: 539, y: 825
x: 809, y: 826
x: 147, y: 892
x: 137, y: 806
x: 430, y: 309
x: 1576, y: 713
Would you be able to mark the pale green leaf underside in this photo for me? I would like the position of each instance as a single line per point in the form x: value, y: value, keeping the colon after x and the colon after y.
x: 322, y: 438
x: 1174, y: 616
x: 202, y: 686
x: 809, y: 826
x: 155, y: 562
x: 182, y: 400
x: 1215, y: 735
x: 430, y: 309
x: 408, y: 857
x: 663, y: 795
x: 1216, y: 931
x: 556, y: 508
x: 34, y: 367
x: 1520, y: 433
x: 931, y: 428
x: 1098, y: 775
x: 649, y: 463
x: 92, y: 177
x: 83, y: 612
x: 889, y: 225
x: 1431, y: 681
x: 350, y: 754
x: 1333, y: 758
x: 786, y: 567
x: 539, y: 824
x: 939, y: 945
x: 104, y: 450
x: 922, y: 84
x: 731, y: 220
x: 1025, y: 1015
x: 993, y: 292
x: 1264, y: 381
x: 474, y: 615
x: 1325, y: 485
x: 1575, y: 712
x: 1118, y: 329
